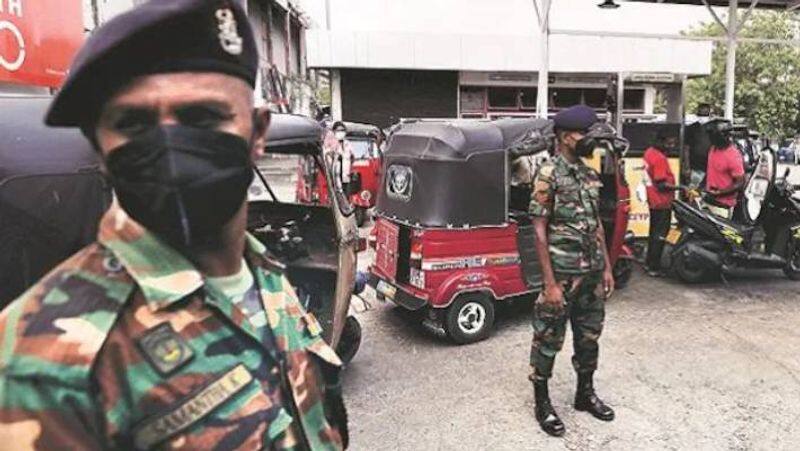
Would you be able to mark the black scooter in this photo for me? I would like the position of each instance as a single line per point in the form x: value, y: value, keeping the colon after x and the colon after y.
x: 705, y: 245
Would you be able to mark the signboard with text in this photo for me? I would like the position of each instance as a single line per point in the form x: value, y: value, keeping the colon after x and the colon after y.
x: 38, y: 40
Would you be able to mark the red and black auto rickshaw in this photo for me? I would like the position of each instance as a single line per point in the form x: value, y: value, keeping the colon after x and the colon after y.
x: 448, y: 236
x: 365, y: 177
x: 365, y: 142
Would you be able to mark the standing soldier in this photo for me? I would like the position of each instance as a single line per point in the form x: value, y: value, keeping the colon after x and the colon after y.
x: 173, y: 330
x: 570, y: 244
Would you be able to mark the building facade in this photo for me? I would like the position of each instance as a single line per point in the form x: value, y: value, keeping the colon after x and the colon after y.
x: 471, y: 59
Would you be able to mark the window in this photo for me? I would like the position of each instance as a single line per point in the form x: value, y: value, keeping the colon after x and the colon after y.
x: 473, y: 99
x: 361, y: 148
x: 634, y: 100
x: 504, y: 98
x: 566, y: 97
x: 528, y: 98
x: 595, y: 98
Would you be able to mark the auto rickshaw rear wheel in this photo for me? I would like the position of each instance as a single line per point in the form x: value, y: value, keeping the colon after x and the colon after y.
x: 350, y: 340
x: 470, y: 318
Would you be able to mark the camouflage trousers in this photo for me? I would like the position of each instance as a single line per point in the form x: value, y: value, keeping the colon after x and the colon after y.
x: 585, y: 311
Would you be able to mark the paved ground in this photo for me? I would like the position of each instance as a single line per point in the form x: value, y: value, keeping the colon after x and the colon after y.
x: 707, y: 367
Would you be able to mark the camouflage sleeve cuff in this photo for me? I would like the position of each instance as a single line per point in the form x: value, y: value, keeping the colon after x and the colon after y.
x: 542, y: 195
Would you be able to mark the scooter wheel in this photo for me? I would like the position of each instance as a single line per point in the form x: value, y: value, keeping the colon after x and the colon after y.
x: 792, y: 268
x: 688, y: 271
x: 470, y: 318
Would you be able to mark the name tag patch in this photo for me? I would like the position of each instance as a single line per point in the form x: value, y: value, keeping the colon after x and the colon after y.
x: 191, y: 411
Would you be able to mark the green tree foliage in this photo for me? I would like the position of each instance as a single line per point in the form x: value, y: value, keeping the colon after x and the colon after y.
x: 767, y: 75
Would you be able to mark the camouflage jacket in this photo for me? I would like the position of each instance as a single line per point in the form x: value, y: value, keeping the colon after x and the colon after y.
x: 568, y: 195
x: 119, y: 348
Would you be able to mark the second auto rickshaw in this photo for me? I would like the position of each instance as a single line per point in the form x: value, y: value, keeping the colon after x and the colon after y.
x: 317, y: 243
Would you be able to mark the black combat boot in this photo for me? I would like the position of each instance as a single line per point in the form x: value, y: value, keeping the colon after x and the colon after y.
x: 545, y: 414
x: 587, y: 401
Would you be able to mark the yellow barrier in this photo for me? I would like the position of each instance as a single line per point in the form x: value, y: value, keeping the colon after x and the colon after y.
x: 634, y: 173
x: 640, y: 213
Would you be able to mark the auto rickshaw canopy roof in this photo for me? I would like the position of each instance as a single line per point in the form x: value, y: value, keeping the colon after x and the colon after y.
x: 458, y: 140
x: 358, y: 129
x: 454, y: 173
x: 28, y: 147
x: 291, y: 133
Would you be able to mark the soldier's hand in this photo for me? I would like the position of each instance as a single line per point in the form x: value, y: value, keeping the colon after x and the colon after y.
x: 608, y: 283
x: 554, y: 295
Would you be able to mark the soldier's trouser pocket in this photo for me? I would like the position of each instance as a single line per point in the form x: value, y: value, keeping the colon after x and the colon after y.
x: 586, y: 319
x: 549, y: 327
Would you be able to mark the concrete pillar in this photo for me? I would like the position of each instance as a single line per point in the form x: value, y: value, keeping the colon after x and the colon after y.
x: 730, y: 64
x: 544, y: 62
x: 336, y: 94
x: 620, y: 102
x: 673, y: 95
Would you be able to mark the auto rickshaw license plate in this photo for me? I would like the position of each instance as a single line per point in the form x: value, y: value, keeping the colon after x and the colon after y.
x: 673, y: 236
x: 386, y: 289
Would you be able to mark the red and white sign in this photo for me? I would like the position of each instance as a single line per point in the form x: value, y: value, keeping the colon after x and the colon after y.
x: 38, y: 39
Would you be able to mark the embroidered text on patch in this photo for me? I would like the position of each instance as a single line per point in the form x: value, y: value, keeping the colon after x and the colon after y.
x: 229, y: 37
x: 211, y: 397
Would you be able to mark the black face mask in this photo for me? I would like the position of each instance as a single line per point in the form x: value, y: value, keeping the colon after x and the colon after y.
x: 585, y: 147
x: 181, y: 183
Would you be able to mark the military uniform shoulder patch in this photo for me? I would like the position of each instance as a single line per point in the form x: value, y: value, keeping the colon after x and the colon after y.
x: 165, y: 349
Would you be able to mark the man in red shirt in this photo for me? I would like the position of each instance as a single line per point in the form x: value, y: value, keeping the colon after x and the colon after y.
x: 660, y: 183
x: 725, y: 174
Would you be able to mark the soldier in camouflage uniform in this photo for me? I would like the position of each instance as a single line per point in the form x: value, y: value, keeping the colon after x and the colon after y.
x: 174, y: 330
x: 577, y: 277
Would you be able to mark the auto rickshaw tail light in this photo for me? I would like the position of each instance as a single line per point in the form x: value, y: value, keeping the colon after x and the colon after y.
x: 416, y: 253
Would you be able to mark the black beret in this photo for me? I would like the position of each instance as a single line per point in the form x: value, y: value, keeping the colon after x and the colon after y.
x: 160, y: 36
x: 575, y: 118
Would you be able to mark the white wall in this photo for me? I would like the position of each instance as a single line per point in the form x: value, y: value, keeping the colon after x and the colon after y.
x: 491, y: 16
x: 395, y: 50
x: 501, y: 35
